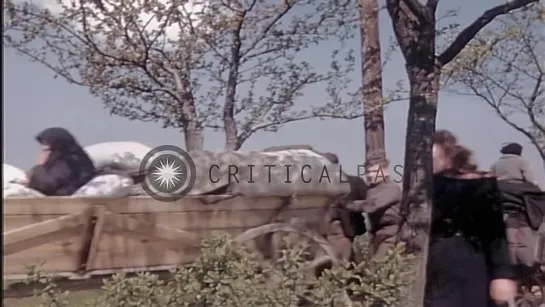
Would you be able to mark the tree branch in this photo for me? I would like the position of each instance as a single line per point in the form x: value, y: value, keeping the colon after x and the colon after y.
x: 521, y: 130
x: 419, y: 10
x: 246, y: 134
x: 432, y: 6
x: 404, y: 22
x: 316, y: 114
x: 285, y: 9
x: 469, y: 33
x: 231, y: 86
x: 531, y: 105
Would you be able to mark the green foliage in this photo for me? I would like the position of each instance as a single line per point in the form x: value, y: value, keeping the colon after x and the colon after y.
x: 227, y: 275
x: 503, y: 67
x: 48, y: 292
x: 380, y: 281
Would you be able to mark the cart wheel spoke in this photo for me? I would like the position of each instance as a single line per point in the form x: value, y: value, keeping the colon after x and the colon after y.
x: 531, y: 292
x: 265, y: 241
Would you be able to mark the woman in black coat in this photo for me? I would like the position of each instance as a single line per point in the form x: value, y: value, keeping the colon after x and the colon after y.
x: 63, y: 166
x: 468, y: 260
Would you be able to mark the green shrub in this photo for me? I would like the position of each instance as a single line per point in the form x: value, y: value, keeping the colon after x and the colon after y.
x: 49, y: 294
x: 226, y: 275
x: 381, y: 281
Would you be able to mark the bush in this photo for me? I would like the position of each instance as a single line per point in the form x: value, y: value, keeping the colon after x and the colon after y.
x: 49, y: 294
x: 226, y: 275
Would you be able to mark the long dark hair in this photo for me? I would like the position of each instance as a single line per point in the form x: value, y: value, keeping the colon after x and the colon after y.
x: 61, y: 143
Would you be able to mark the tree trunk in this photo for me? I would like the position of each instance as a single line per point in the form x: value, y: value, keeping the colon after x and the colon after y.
x: 414, y: 26
x: 371, y: 68
x: 188, y: 116
x: 418, y: 174
x: 194, y: 140
x: 193, y: 134
x: 424, y: 74
x: 229, y: 122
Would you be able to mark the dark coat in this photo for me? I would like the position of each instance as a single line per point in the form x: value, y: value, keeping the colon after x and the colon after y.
x: 383, y: 204
x: 67, y: 168
x: 524, y: 204
x: 352, y: 221
x: 346, y: 223
x: 523, y: 199
x: 468, y: 245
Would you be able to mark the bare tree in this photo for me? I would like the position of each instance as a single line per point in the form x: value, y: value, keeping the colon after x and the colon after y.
x: 505, y: 67
x: 231, y: 65
x: 371, y: 68
x: 414, y: 26
x: 372, y: 86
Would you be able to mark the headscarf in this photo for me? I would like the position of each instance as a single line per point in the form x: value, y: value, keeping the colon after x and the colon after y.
x: 511, y: 149
x: 61, y: 143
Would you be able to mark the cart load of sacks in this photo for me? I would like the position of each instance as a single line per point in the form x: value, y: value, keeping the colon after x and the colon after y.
x: 257, y: 173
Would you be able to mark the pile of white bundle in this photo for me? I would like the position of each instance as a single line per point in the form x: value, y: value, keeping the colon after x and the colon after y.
x: 111, y: 185
x: 12, y: 188
x: 11, y: 174
x: 125, y: 156
x: 117, y: 155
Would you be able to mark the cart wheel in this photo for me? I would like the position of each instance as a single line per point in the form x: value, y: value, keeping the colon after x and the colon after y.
x: 266, y: 251
x: 250, y: 236
x: 531, y: 293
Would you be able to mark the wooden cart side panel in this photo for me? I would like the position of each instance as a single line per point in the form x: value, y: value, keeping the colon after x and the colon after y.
x: 188, y: 213
x: 54, y: 244
x: 61, y: 254
x: 133, y: 245
x: 233, y: 216
x: 62, y: 257
x: 140, y: 204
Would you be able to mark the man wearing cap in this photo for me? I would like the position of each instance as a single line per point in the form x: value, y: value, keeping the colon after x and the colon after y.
x: 382, y: 205
x: 511, y: 166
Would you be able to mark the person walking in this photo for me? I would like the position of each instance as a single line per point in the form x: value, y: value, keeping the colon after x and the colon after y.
x: 512, y: 166
x: 382, y: 205
x: 468, y: 262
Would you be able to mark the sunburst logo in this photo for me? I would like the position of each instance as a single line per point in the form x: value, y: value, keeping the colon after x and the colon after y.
x: 167, y: 174
x: 170, y: 173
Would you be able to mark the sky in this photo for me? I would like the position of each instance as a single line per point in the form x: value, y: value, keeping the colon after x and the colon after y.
x: 33, y: 101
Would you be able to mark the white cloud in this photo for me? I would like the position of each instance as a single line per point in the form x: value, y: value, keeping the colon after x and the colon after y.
x: 192, y: 7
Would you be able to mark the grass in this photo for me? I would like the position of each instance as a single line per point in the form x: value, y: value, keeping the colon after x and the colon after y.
x: 76, y: 299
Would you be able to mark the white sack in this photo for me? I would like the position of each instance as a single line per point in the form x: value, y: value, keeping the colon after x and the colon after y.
x: 106, y: 186
x: 121, y: 155
x: 11, y: 173
x: 19, y: 190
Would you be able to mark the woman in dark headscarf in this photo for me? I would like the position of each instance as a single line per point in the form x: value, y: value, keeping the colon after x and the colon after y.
x: 63, y: 166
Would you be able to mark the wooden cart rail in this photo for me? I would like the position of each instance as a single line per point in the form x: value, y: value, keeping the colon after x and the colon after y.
x: 80, y: 237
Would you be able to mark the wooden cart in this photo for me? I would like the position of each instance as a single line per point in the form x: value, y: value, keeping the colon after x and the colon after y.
x: 83, y: 237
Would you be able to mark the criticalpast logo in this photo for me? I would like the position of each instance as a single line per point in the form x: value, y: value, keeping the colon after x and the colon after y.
x: 170, y: 173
